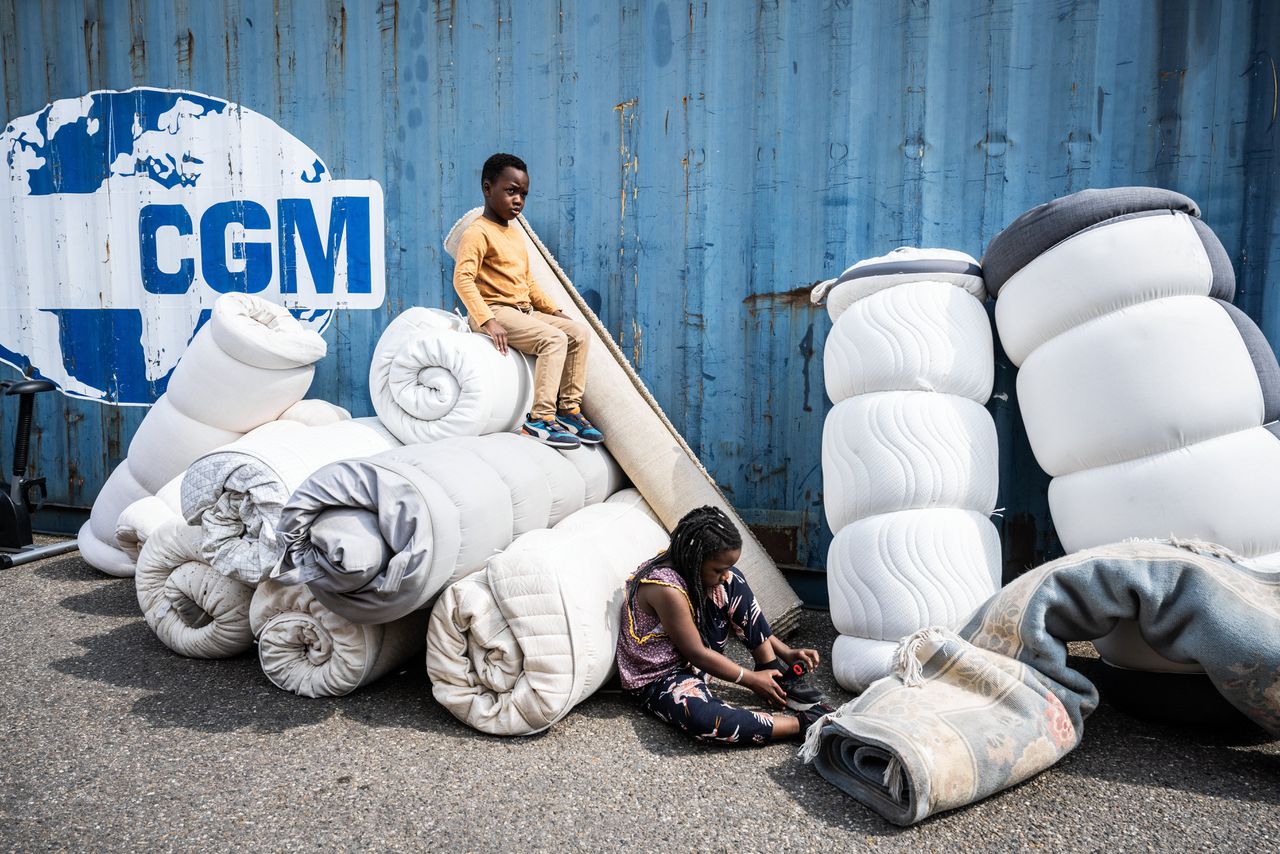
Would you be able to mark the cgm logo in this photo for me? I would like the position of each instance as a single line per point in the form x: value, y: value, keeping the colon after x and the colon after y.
x: 133, y: 211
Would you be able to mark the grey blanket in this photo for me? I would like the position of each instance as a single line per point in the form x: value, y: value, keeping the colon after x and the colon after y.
x: 968, y: 715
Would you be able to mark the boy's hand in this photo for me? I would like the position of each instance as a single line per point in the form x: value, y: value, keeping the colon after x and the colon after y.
x: 497, y: 332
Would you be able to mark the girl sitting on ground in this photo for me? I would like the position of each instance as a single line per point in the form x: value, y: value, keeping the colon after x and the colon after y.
x: 679, y: 610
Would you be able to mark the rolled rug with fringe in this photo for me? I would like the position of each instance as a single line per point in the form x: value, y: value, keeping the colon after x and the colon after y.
x: 968, y: 714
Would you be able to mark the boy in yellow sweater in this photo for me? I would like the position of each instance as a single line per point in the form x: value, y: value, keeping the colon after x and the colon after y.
x: 503, y: 301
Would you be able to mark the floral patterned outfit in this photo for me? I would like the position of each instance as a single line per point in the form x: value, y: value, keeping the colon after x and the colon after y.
x: 654, y: 672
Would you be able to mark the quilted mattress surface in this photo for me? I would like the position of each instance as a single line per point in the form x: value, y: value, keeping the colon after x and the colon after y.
x: 235, y: 494
x: 375, y: 538
x: 513, y: 648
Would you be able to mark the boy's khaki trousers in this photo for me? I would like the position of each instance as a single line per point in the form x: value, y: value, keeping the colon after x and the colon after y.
x: 560, y: 348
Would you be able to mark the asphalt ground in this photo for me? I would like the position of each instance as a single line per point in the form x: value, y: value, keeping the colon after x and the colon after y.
x: 109, y: 741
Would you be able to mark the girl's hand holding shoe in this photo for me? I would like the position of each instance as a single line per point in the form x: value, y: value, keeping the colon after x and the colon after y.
x: 765, y: 684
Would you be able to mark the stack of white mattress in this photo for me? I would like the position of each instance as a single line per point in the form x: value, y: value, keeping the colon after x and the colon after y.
x: 186, y: 574
x: 513, y: 648
x: 1148, y: 397
x: 909, y: 454
x: 249, y: 363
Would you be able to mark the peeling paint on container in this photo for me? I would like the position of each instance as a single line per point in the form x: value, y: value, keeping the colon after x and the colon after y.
x: 696, y: 166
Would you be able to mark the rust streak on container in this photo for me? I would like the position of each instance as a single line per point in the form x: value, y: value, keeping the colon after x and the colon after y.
x: 795, y: 296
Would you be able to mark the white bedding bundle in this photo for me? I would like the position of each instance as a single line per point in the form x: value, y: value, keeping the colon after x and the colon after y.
x: 193, y: 609
x: 307, y: 649
x: 513, y: 648
x: 375, y: 538
x: 235, y: 493
x: 249, y: 363
x: 1146, y: 395
x: 909, y: 462
x: 431, y: 377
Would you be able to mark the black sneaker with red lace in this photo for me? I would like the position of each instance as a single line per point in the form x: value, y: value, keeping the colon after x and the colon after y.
x: 795, y: 681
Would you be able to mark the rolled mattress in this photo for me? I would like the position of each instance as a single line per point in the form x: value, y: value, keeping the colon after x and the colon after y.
x: 431, y: 377
x: 248, y: 364
x: 308, y: 650
x: 235, y: 494
x: 193, y: 609
x: 909, y: 454
x: 375, y: 538
x: 642, y: 439
x: 513, y: 648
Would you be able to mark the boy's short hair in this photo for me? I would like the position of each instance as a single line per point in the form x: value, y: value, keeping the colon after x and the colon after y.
x: 494, y: 165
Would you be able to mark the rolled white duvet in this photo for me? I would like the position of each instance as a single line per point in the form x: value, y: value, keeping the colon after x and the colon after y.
x: 246, y: 366
x: 235, y: 493
x: 431, y: 377
x: 513, y: 648
x: 307, y: 649
x: 375, y: 538
x: 192, y: 608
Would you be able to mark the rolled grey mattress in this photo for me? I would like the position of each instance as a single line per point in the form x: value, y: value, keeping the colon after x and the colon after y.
x: 376, y: 538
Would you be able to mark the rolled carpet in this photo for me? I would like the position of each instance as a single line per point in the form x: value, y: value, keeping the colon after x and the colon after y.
x: 431, y: 377
x: 307, y: 649
x: 513, y: 648
x: 235, y: 493
x: 248, y: 364
x: 193, y: 609
x: 375, y: 538
x: 969, y: 714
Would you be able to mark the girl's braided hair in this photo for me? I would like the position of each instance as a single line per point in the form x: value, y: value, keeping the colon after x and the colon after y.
x: 701, y: 534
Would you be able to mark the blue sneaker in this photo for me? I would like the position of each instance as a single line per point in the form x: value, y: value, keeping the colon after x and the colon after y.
x: 549, y: 433
x: 577, y: 424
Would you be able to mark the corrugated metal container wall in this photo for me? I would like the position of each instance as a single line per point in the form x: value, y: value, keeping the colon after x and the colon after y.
x: 697, y: 167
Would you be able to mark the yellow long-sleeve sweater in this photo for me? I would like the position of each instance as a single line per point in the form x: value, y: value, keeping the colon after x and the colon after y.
x: 493, y: 267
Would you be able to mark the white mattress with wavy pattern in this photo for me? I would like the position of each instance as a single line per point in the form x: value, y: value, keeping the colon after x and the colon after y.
x: 909, y: 454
